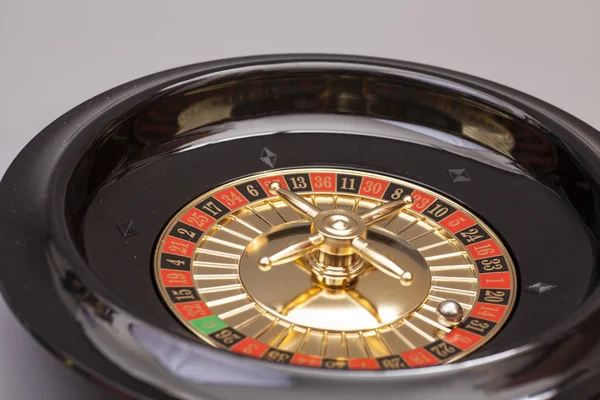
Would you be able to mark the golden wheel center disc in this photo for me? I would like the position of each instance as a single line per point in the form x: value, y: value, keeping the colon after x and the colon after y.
x: 331, y: 288
x: 326, y: 273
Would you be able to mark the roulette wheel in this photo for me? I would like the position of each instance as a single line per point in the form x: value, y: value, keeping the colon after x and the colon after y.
x: 311, y: 225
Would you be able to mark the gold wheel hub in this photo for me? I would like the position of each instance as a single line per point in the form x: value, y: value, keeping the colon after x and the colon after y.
x: 335, y: 253
x: 298, y: 291
x: 338, y: 236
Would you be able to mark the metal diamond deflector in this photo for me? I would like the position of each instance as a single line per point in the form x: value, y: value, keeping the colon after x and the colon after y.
x: 459, y: 175
x: 540, y: 288
x: 268, y: 157
x: 127, y: 229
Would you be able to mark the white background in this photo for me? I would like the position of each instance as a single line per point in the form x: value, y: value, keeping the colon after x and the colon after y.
x: 56, y: 54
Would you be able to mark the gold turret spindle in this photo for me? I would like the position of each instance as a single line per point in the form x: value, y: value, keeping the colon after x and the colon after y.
x: 292, y: 252
x: 296, y: 202
x: 385, y: 210
x: 381, y: 262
